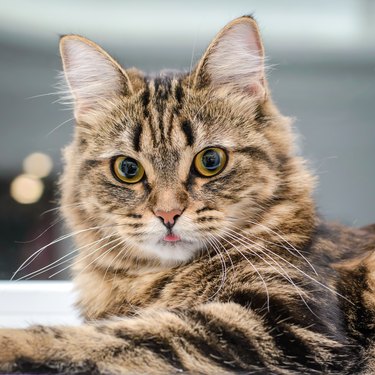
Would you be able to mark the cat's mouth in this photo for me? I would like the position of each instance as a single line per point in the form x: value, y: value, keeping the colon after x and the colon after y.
x: 171, y: 237
x: 171, y: 246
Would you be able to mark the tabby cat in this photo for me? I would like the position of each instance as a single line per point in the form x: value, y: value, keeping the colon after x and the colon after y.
x: 200, y: 250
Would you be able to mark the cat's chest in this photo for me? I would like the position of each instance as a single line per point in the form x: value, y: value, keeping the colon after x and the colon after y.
x: 101, y: 296
x: 121, y: 294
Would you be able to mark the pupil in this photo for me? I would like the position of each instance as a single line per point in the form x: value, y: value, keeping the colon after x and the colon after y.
x: 211, y: 160
x: 129, y: 168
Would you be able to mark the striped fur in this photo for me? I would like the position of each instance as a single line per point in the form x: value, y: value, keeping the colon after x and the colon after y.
x: 259, y: 284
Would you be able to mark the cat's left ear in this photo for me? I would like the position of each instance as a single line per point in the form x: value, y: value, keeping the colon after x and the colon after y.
x: 94, y: 78
x: 235, y: 60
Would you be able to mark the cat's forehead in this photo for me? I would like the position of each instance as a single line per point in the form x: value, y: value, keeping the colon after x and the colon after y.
x: 166, y: 123
x: 161, y: 87
x: 164, y: 114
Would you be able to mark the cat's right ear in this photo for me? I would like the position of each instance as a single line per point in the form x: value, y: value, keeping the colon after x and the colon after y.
x: 94, y: 77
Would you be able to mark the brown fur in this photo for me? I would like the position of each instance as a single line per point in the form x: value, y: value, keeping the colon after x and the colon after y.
x: 270, y: 289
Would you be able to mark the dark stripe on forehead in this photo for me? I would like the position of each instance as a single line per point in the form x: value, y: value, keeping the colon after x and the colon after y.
x: 179, y: 92
x: 152, y: 131
x: 162, y: 87
x: 145, y: 98
x: 255, y: 153
x: 157, y: 83
x: 146, y: 102
x: 171, y: 118
x: 188, y: 131
x: 161, y: 121
x: 137, y: 137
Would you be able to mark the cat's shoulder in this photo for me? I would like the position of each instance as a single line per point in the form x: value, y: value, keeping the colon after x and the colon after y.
x: 342, y: 235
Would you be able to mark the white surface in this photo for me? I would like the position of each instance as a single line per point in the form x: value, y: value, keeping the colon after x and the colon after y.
x: 37, y: 302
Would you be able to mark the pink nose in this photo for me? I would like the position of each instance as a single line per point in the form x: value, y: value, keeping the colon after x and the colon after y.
x: 169, y: 217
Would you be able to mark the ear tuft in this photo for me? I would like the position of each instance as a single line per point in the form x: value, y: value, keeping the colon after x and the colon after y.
x: 92, y: 75
x: 235, y: 59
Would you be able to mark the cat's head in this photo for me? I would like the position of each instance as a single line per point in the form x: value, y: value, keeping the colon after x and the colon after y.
x: 163, y: 168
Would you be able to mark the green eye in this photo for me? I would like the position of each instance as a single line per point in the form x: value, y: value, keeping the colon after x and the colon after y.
x: 128, y: 170
x: 210, y: 161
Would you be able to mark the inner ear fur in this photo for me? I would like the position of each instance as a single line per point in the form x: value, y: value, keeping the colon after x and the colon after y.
x: 92, y: 75
x: 234, y: 59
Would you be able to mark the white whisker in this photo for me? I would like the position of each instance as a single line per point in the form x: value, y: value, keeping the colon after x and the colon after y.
x: 290, y: 264
x: 33, y: 256
x: 282, y: 272
x: 223, y: 267
x: 41, y: 234
x: 255, y: 269
x: 286, y: 241
x: 60, y: 261
x: 59, y: 126
x: 59, y: 208
x: 118, y: 243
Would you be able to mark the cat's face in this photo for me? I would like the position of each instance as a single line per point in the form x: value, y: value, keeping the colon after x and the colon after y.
x: 169, y: 166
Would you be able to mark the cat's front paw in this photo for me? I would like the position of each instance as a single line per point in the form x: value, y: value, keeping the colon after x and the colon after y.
x: 13, y: 346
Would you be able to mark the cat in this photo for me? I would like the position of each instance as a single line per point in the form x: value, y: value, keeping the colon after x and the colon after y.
x: 199, y: 247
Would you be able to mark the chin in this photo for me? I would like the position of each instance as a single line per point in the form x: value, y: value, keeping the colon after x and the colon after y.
x: 171, y: 252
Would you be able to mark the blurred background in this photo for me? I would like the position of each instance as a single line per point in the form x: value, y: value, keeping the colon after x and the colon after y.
x: 323, y: 75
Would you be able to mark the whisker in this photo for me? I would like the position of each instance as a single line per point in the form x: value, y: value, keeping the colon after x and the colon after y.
x: 59, y: 208
x: 41, y: 234
x: 223, y: 267
x: 120, y: 241
x: 124, y: 252
x: 42, y: 95
x: 59, y: 126
x: 59, y: 262
x: 286, y: 241
x: 291, y: 265
x: 33, y: 256
x: 201, y: 108
x: 255, y: 269
x: 282, y: 273
x: 223, y: 247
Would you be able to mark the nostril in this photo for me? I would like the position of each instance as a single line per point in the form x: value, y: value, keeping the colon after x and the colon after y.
x: 168, y: 217
x: 176, y: 215
x: 168, y: 224
x: 160, y: 217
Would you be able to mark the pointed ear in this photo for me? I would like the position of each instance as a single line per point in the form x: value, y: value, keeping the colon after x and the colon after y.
x: 234, y: 59
x: 94, y: 78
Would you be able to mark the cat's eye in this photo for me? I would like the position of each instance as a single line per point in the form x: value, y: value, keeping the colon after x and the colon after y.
x: 210, y: 161
x: 127, y: 169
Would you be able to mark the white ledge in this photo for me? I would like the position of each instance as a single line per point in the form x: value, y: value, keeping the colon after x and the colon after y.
x: 23, y: 303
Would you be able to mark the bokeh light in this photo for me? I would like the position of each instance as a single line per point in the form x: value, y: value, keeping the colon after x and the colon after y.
x: 26, y: 189
x: 38, y: 164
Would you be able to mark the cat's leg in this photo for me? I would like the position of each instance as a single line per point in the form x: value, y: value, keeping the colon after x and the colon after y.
x: 215, y: 338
